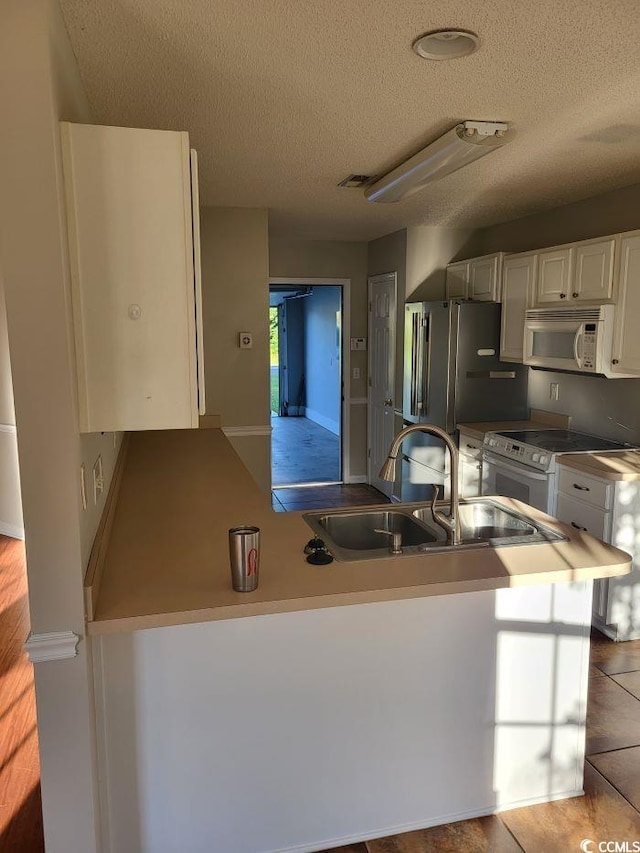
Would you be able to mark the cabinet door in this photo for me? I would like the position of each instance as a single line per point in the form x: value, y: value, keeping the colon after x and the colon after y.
x: 593, y: 271
x: 131, y: 248
x: 626, y: 340
x: 484, y: 278
x: 518, y: 277
x: 554, y: 275
x: 457, y: 280
x: 470, y: 476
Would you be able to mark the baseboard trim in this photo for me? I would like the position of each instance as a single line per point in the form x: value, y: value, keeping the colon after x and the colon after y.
x: 246, y: 431
x: 358, y: 478
x: 57, y: 645
x: 11, y: 530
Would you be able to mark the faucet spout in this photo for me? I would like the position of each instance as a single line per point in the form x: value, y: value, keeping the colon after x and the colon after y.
x: 450, y: 523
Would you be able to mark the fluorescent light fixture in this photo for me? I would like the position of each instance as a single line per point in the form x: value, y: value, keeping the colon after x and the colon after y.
x: 464, y: 143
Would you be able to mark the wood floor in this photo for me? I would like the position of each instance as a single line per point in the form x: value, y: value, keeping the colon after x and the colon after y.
x: 610, y: 811
x: 20, y: 807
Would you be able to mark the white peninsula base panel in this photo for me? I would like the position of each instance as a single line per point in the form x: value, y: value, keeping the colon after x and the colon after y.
x: 303, y: 731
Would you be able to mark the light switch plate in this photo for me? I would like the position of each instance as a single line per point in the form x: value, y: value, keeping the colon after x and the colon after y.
x: 358, y: 343
x: 245, y: 340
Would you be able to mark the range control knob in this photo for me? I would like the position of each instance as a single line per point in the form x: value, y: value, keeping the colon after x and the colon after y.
x: 543, y: 460
x: 535, y: 457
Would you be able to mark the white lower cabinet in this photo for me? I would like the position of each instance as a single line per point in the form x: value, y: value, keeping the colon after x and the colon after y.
x: 470, y: 466
x: 608, y: 510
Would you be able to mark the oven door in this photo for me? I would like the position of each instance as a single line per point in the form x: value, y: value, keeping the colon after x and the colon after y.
x: 501, y: 476
x: 554, y: 344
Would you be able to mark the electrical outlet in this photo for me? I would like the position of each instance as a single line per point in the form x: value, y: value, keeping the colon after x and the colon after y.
x: 83, y: 487
x: 554, y: 390
x: 98, y: 479
x: 245, y: 340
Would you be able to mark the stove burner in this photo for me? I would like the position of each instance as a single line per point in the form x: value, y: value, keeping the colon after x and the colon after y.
x: 562, y: 440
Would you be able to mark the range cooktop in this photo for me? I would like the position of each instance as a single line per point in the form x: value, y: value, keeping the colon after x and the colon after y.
x: 562, y: 440
x: 537, y: 448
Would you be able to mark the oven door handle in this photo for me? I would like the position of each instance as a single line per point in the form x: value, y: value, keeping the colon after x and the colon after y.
x: 499, y: 462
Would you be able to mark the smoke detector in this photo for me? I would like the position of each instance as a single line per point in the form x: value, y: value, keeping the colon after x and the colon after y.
x: 446, y: 44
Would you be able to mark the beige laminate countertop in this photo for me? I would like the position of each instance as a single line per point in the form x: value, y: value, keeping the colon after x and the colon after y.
x: 618, y: 465
x: 166, y: 561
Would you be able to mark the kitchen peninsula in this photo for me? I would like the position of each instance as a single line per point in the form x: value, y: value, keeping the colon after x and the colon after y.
x: 360, y: 699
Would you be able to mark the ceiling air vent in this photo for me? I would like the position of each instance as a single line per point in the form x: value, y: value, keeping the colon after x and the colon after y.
x: 355, y: 181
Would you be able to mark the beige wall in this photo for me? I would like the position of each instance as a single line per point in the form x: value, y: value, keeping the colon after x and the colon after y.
x: 429, y: 250
x: 605, y: 407
x: 290, y: 258
x: 235, y: 295
x: 36, y: 60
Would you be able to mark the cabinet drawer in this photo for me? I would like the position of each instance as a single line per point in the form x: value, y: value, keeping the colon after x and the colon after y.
x: 470, y: 445
x: 591, y: 490
x: 583, y: 517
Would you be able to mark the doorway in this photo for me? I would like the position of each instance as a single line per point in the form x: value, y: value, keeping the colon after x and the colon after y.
x: 307, y: 368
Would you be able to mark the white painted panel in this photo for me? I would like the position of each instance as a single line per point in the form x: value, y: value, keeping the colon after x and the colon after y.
x: 593, y: 276
x: 626, y: 340
x: 554, y: 275
x: 131, y: 248
x: 518, y: 277
x: 306, y: 730
x: 11, y: 523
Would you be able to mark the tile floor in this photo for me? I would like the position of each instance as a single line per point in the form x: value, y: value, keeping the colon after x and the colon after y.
x: 303, y: 452
x: 303, y: 498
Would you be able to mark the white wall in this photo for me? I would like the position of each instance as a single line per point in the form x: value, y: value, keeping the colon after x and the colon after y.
x: 39, y: 84
x: 322, y: 357
x: 11, y: 523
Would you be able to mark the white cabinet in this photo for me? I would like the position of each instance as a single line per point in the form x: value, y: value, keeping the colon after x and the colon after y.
x: 608, y: 510
x: 518, y: 279
x: 476, y: 278
x: 578, y: 272
x: 134, y: 252
x: 457, y: 280
x: 626, y: 339
x: 470, y: 463
x: 554, y: 275
x: 593, y: 271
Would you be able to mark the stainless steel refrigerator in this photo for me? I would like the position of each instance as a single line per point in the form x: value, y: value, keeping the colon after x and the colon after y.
x: 452, y: 374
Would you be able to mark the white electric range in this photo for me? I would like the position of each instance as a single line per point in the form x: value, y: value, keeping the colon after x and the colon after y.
x: 522, y: 464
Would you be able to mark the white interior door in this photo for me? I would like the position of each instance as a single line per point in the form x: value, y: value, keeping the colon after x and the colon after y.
x: 382, y: 371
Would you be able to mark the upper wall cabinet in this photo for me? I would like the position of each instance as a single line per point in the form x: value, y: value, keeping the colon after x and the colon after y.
x: 579, y: 272
x: 626, y: 340
x: 518, y: 279
x: 477, y: 278
x: 457, y: 280
x: 132, y: 210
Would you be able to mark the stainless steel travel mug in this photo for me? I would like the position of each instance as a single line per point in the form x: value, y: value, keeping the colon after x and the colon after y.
x: 244, y: 552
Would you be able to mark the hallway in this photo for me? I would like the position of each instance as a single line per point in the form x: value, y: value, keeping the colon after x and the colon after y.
x: 20, y: 805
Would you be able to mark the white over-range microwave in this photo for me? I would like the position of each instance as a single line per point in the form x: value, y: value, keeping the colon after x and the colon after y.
x: 579, y: 339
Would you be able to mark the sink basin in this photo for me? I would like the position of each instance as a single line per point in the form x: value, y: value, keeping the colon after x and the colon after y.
x: 351, y: 534
x: 486, y: 521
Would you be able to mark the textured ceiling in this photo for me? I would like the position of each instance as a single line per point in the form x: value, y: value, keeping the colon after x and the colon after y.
x: 284, y: 98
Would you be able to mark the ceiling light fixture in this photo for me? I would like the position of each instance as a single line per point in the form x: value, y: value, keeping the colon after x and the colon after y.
x: 464, y: 143
x: 446, y: 44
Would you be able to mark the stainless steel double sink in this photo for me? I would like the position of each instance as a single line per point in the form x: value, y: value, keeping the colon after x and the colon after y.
x: 363, y: 534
